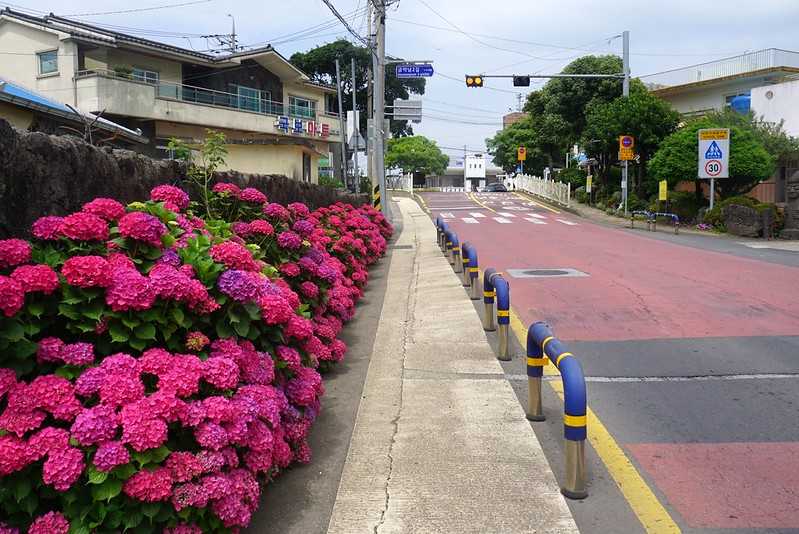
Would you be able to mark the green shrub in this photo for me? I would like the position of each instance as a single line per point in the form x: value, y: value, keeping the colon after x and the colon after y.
x: 572, y: 175
x: 580, y: 195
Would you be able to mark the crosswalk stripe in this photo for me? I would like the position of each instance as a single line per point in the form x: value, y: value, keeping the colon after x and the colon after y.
x: 537, y: 216
x: 502, y: 220
x: 534, y: 221
x: 447, y: 215
x: 470, y: 220
x: 567, y: 222
x: 477, y: 215
x: 506, y: 214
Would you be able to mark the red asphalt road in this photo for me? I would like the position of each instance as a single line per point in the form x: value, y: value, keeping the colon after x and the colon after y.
x: 637, y: 288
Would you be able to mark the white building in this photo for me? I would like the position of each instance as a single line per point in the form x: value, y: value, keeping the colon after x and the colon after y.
x: 275, y: 119
x: 474, y: 172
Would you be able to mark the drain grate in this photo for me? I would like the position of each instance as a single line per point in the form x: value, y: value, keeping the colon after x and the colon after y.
x: 545, y: 273
x: 400, y: 247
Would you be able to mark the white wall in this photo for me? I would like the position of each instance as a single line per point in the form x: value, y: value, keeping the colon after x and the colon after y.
x: 709, y: 96
x: 474, y: 167
x: 783, y: 104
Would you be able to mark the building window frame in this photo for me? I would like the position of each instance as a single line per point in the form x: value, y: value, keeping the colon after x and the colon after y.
x: 39, y: 61
x: 259, y: 96
x: 146, y: 75
x: 296, y: 104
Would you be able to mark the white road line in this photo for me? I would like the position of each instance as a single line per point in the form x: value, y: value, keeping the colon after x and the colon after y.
x: 470, y: 220
x: 447, y: 215
x: 502, y: 220
x: 566, y: 222
x: 534, y: 221
x: 537, y: 216
x: 476, y: 215
x: 505, y: 214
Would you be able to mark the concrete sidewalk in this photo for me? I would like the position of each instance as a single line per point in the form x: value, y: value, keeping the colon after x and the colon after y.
x: 440, y: 443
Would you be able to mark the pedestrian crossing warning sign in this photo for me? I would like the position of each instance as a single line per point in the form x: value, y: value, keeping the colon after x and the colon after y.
x: 713, y: 151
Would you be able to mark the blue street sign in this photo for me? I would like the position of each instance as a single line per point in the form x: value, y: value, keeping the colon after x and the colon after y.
x: 713, y: 151
x: 414, y: 71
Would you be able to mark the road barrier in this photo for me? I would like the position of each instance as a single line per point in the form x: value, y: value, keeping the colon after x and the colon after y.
x: 471, y: 270
x: 442, y: 235
x: 550, y: 190
x: 651, y: 219
x: 448, y: 244
x: 542, y: 347
x: 494, y: 285
x: 454, y: 249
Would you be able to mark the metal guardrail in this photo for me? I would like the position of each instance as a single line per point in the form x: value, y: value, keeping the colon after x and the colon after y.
x: 558, y: 192
x: 542, y: 348
x: 651, y: 218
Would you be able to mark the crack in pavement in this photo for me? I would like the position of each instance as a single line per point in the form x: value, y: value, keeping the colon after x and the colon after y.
x: 406, y: 338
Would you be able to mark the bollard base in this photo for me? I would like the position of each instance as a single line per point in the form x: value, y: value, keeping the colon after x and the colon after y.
x: 535, y: 418
x: 574, y: 495
x: 504, y: 358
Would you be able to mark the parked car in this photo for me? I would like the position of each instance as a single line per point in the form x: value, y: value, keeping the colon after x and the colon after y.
x: 496, y: 188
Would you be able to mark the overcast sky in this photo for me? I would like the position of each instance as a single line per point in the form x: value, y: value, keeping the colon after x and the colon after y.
x: 537, y: 36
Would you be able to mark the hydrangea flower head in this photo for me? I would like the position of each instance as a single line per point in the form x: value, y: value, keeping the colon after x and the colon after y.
x: 84, y: 226
x: 289, y: 240
x: 36, y: 278
x: 12, y: 296
x: 196, y: 341
x: 149, y: 486
x: 50, y: 523
x: 234, y: 256
x: 14, y: 252
x: 172, y: 194
x: 276, y: 211
x: 227, y: 189
x: 261, y: 227
x: 87, y: 271
x: 142, y: 227
x: 111, y: 454
x: 252, y: 195
x: 47, y: 228
x: 106, y: 208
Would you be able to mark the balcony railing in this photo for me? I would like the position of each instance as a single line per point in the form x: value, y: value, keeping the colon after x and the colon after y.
x: 302, y: 111
x: 731, y: 66
x: 201, y: 95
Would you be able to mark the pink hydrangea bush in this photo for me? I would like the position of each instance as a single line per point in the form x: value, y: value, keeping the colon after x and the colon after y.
x: 157, y: 369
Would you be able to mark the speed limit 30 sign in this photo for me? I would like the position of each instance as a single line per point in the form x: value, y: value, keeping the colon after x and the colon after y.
x: 714, y: 153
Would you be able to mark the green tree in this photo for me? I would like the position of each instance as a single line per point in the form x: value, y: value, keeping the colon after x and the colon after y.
x: 415, y: 154
x: 750, y: 162
x: 320, y: 64
x: 504, y: 145
x: 646, y: 117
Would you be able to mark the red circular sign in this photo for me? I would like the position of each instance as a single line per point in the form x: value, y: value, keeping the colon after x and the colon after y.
x: 627, y: 141
x: 713, y: 167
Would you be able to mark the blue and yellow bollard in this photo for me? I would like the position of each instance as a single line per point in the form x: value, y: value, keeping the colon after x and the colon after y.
x: 471, y: 271
x: 488, y: 300
x: 442, y: 237
x: 448, y: 244
x: 455, y: 261
x: 502, y: 289
x: 535, y: 371
x: 574, y: 407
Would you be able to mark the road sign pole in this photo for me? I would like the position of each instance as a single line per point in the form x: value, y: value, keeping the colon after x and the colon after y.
x: 356, y: 131
x: 712, y: 192
x: 625, y: 185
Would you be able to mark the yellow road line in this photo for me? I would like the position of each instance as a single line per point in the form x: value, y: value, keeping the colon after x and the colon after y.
x: 553, y: 210
x: 646, y: 506
x: 424, y: 204
x: 474, y: 198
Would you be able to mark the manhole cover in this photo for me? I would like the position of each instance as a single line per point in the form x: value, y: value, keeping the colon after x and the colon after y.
x: 545, y: 273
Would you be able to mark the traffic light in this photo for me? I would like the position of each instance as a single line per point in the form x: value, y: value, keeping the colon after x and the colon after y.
x: 521, y: 81
x: 474, y: 80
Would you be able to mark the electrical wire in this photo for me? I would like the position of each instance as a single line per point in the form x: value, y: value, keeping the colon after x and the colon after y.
x: 463, y: 82
x: 138, y: 10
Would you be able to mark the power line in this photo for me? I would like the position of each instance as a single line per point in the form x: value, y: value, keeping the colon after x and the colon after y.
x: 462, y: 107
x: 138, y: 10
x: 355, y: 34
x: 459, y: 121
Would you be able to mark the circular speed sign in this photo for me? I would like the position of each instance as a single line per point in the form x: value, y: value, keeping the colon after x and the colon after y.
x: 713, y: 167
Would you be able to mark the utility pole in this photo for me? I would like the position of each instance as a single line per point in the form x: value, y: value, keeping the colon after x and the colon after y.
x: 625, y: 91
x: 341, y: 127
x: 370, y: 142
x: 355, y: 130
x: 379, y: 61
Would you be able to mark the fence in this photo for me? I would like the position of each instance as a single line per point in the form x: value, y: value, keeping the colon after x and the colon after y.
x: 555, y: 191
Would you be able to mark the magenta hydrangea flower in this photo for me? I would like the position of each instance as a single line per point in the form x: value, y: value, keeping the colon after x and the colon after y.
x: 47, y: 228
x: 275, y: 309
x: 84, y: 226
x: 63, y: 468
x: 299, y: 328
x: 241, y: 228
x: 276, y: 211
x: 234, y: 256
x: 239, y: 285
x: 106, y: 208
x: 129, y: 290
x: 36, y: 278
x: 290, y: 269
x: 211, y: 436
x: 48, y: 440
x: 184, y: 528
x: 306, y: 385
x: 289, y: 240
x: 50, y: 523
x: 87, y: 271
x: 309, y: 289
x: 15, y: 454
x: 170, y: 193
x: 90, y: 381
x: 77, y: 353
x: 221, y: 372
x: 290, y: 356
x: 228, y: 189
x: 298, y: 209
x: 142, y: 227
x: 196, y: 341
x: 140, y: 429
x: 111, y: 454
x: 261, y: 227
x: 14, y: 252
x: 184, y: 466
x: 12, y: 296
x: 250, y: 194
x: 94, y: 425
x: 149, y: 486
x: 304, y: 227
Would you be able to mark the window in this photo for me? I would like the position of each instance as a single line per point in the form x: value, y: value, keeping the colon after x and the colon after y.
x: 48, y: 62
x: 728, y: 99
x: 302, y: 107
x: 144, y: 75
x: 253, y: 99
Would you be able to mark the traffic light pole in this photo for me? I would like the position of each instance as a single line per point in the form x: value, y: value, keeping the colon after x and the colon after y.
x: 625, y: 92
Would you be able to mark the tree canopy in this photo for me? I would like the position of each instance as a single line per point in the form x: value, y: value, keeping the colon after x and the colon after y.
x: 320, y: 64
x: 415, y: 154
x: 750, y: 162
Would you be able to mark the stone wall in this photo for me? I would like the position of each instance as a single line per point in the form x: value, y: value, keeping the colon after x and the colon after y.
x: 43, y: 174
